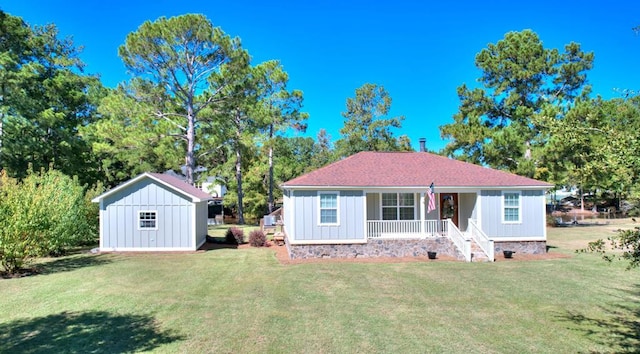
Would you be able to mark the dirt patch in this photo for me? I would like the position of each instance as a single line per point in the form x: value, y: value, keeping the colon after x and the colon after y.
x: 283, y: 258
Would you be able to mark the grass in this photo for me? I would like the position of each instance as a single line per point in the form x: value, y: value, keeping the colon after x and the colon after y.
x: 244, y: 300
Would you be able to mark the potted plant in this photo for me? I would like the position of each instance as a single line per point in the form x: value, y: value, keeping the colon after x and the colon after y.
x: 431, y: 254
x: 508, y: 254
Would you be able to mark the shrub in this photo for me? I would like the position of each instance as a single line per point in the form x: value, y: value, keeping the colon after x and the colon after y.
x: 234, y: 236
x: 44, y: 214
x: 257, y: 238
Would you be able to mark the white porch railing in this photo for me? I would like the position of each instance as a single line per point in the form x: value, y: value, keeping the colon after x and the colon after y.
x: 481, y: 239
x: 393, y: 228
x: 458, y: 239
x: 405, y: 228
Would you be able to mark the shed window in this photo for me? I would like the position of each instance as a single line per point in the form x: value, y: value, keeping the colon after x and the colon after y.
x: 148, y: 220
x: 398, y: 206
x: 511, y: 207
x: 328, y: 208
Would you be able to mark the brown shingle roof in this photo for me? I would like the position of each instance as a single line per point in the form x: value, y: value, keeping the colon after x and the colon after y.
x: 408, y: 169
x: 182, y: 186
x: 195, y: 194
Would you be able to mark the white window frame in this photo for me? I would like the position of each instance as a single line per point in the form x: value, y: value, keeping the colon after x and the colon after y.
x: 519, y: 207
x: 337, y: 208
x: 138, y: 220
x: 398, y: 206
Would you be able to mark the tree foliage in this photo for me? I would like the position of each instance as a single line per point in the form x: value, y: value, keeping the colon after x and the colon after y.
x: 176, y: 62
x: 594, y: 145
x: 626, y: 241
x: 519, y: 78
x: 43, y: 214
x: 44, y: 99
x: 366, y: 125
x: 128, y: 140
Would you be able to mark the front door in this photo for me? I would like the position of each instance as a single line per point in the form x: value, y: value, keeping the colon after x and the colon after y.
x: 449, y: 207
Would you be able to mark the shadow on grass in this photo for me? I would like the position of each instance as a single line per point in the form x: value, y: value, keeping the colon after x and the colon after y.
x: 83, y: 332
x: 618, y: 330
x: 57, y: 265
x: 216, y: 243
x: 70, y: 263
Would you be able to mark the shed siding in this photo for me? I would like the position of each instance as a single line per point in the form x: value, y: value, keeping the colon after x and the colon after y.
x: 174, y: 218
x: 202, y: 212
x: 532, y: 215
x: 306, y: 224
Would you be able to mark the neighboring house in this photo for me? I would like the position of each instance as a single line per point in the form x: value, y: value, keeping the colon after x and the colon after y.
x: 153, y: 212
x: 213, y: 186
x: 376, y: 204
x: 210, y: 184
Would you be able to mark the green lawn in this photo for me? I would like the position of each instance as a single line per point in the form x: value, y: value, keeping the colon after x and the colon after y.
x: 243, y: 300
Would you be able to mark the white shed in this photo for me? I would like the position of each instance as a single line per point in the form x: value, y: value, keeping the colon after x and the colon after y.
x: 153, y: 212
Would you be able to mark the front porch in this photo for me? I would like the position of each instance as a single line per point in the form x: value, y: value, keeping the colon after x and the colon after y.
x: 404, y: 215
x: 472, y: 244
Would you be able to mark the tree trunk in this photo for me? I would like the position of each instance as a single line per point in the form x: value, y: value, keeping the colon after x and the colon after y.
x: 239, y: 171
x: 270, y: 201
x: 190, y: 158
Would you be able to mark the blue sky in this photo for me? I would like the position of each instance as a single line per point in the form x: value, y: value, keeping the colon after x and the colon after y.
x: 419, y: 51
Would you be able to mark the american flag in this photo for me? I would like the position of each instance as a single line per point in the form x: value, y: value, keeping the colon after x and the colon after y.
x: 432, y: 199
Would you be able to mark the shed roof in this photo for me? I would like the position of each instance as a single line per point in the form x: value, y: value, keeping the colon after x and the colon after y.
x: 193, y: 193
x: 408, y: 169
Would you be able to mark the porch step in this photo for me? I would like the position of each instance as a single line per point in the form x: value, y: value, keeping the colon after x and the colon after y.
x: 477, y: 254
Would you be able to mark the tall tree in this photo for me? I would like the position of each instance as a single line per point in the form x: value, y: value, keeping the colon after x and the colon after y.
x: 44, y: 99
x: 366, y: 126
x: 519, y: 78
x: 282, y: 111
x: 239, y: 117
x: 323, y: 153
x: 177, y: 62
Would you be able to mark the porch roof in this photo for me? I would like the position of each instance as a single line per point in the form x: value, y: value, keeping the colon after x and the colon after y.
x: 408, y: 169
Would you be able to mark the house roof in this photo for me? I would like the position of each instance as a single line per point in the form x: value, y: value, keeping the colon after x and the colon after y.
x: 171, y: 182
x: 408, y: 169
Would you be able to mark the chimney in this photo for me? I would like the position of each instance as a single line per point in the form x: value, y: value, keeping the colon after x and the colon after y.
x: 422, y: 141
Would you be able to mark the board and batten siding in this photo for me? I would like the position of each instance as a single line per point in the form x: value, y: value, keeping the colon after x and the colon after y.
x: 306, y: 226
x: 202, y: 213
x: 532, y: 219
x: 175, y: 218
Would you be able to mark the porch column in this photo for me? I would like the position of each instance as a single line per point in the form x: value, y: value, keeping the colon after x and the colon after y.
x: 422, y: 201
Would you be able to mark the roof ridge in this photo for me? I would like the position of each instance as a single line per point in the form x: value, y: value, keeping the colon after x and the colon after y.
x: 407, y: 168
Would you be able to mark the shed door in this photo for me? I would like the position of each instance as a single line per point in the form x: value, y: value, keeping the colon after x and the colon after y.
x: 449, y: 207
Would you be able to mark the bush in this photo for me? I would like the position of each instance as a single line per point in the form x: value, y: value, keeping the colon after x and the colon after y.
x: 234, y: 236
x: 43, y: 214
x: 257, y: 238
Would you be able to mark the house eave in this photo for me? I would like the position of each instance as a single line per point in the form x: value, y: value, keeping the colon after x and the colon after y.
x: 438, y: 188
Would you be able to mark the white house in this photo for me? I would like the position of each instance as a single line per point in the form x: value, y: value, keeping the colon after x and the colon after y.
x: 376, y: 204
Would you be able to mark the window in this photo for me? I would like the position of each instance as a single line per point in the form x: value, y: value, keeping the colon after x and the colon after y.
x: 328, y: 208
x: 398, y: 206
x: 511, y: 207
x: 147, y: 220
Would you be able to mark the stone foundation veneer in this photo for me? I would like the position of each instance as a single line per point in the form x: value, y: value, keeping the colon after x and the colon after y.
x: 377, y: 248
x: 527, y: 247
x: 403, y: 248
